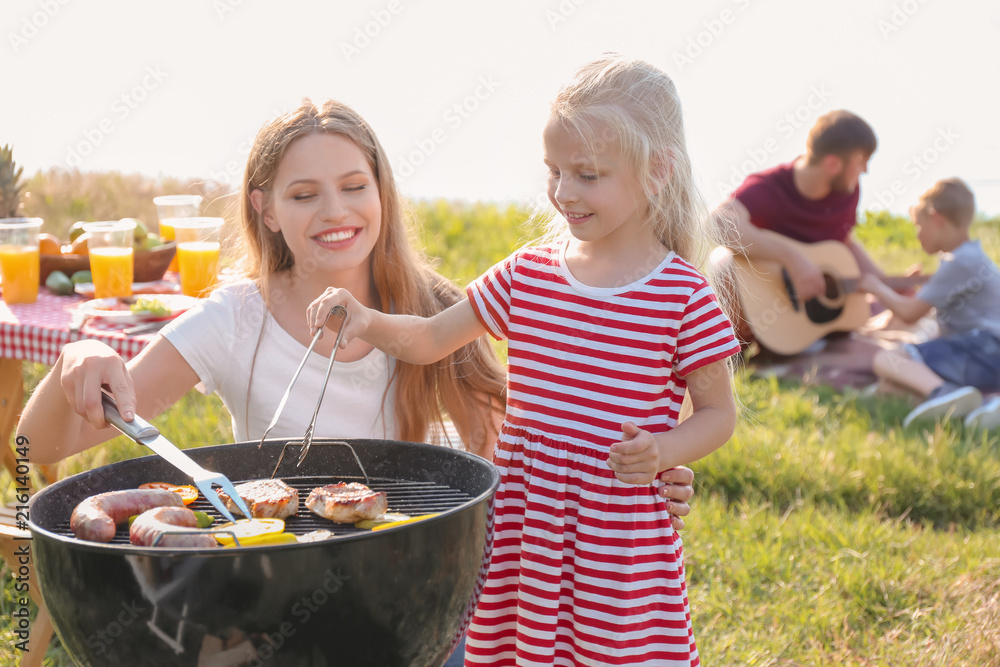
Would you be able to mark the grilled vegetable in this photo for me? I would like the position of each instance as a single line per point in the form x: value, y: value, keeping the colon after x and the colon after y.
x: 315, y: 536
x: 264, y: 540
x: 188, y: 494
x: 248, y: 531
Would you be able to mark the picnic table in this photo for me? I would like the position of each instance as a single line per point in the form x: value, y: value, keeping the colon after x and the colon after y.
x: 37, y: 332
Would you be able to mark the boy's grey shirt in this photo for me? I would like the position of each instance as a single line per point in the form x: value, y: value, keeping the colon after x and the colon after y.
x: 965, y: 290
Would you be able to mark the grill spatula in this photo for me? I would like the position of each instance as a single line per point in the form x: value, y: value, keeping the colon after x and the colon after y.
x: 146, y: 434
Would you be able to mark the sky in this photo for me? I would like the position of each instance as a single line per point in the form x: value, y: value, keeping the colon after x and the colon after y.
x: 458, y: 90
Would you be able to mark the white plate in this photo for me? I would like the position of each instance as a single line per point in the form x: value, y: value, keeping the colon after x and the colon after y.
x: 153, y: 288
x: 114, y: 309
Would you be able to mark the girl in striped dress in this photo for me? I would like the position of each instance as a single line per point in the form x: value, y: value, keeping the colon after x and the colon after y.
x: 608, y: 326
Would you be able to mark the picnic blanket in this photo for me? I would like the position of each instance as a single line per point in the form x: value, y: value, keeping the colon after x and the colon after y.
x: 845, y: 360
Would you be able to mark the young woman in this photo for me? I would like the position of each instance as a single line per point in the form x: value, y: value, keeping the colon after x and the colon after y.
x: 319, y: 207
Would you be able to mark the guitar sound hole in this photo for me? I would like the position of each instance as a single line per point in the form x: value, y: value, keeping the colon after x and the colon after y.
x: 819, y: 312
x: 832, y: 288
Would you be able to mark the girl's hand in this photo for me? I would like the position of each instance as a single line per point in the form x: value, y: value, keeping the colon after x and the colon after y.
x: 358, y: 317
x: 84, y: 367
x: 635, y: 459
x: 677, y: 489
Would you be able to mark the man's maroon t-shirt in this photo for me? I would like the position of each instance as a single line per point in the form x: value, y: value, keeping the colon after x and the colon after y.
x: 775, y: 203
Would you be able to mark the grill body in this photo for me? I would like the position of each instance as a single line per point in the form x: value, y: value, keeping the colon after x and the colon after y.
x: 393, y: 597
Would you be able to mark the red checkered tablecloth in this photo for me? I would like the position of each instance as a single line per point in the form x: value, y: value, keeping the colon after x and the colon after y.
x: 38, y: 331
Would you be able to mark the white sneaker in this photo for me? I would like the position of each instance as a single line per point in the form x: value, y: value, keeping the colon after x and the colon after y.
x: 955, y: 403
x: 986, y: 416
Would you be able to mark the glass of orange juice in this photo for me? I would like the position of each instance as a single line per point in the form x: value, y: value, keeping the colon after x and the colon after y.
x: 19, y: 263
x: 197, y: 253
x: 175, y: 206
x: 111, y: 263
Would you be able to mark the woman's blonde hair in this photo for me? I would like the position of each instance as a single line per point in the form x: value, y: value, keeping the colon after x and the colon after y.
x: 470, y: 384
x: 634, y: 106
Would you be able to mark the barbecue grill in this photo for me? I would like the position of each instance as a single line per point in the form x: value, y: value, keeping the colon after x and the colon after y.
x: 400, y: 596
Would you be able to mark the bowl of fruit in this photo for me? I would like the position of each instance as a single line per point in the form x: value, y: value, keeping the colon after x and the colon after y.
x: 150, y: 255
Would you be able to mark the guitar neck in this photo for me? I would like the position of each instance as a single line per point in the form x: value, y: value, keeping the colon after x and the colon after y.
x: 897, y: 283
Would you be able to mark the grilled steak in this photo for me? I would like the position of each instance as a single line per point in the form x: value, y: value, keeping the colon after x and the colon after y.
x: 347, y: 503
x: 266, y: 498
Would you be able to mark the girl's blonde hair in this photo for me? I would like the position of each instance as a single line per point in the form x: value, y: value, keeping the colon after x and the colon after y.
x: 470, y: 384
x: 634, y: 106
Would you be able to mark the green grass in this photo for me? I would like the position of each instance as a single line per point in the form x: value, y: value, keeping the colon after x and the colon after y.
x: 814, y: 584
x: 822, y: 534
x: 466, y: 239
x: 807, y: 444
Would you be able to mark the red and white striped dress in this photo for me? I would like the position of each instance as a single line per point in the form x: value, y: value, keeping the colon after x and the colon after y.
x: 587, y: 570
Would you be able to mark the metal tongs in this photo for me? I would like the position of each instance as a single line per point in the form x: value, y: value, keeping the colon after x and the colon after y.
x: 307, y: 439
x: 144, y: 433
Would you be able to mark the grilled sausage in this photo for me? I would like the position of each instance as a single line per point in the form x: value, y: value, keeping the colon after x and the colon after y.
x: 165, y: 521
x: 95, y: 518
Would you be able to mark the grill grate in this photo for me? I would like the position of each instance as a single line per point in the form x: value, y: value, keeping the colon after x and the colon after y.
x: 405, y: 497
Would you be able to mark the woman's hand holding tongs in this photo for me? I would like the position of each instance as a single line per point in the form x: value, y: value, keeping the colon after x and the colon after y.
x: 85, y: 367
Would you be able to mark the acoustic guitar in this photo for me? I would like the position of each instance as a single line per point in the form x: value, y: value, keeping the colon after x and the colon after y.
x: 781, y: 322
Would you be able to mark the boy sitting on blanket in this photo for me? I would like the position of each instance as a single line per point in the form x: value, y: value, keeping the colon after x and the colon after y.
x: 951, y: 373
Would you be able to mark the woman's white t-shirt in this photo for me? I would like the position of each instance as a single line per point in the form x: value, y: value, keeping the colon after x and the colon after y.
x: 222, y: 340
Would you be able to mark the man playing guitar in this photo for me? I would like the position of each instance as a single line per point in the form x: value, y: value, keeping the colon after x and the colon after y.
x: 811, y: 199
